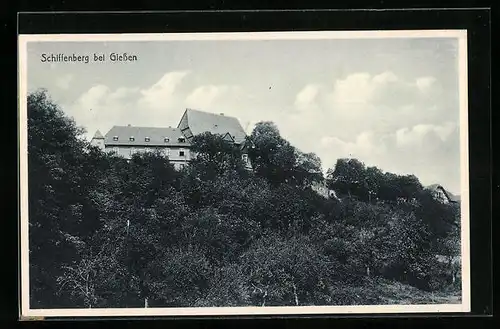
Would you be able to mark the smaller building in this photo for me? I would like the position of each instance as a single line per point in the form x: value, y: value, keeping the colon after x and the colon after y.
x: 442, y: 195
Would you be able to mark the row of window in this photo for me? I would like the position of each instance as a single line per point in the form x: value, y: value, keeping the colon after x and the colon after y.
x: 165, y: 151
x: 147, y: 139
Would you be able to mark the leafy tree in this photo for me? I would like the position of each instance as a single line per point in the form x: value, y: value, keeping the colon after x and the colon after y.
x: 179, y: 278
x: 373, y: 182
x: 347, y: 177
x: 215, y: 155
x: 307, y: 169
x: 295, y: 273
x: 272, y: 156
x: 55, y: 150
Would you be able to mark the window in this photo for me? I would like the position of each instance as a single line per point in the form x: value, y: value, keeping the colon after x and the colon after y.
x: 181, y: 140
x: 115, y: 138
x: 115, y: 149
x: 132, y: 151
x: 166, y: 151
x: 244, y: 157
x: 167, y: 139
x: 131, y: 138
x: 181, y: 153
x: 146, y: 139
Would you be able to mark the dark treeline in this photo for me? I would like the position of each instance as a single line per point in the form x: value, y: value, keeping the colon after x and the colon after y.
x: 107, y: 232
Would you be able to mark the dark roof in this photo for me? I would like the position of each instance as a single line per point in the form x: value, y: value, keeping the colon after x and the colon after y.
x: 200, y: 122
x: 449, y: 195
x: 156, y: 136
x: 98, y: 135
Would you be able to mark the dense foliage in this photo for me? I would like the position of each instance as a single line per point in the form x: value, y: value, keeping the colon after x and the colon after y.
x: 107, y: 232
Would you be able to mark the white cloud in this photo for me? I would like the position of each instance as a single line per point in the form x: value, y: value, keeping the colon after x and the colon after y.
x: 384, y: 120
x: 307, y: 97
x: 425, y: 83
x: 101, y: 107
x: 64, y: 81
x: 162, y: 93
x: 416, y: 135
x: 423, y: 150
x: 209, y: 96
x: 160, y: 104
x: 357, y: 88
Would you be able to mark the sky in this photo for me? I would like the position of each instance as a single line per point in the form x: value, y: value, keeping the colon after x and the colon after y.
x: 391, y: 103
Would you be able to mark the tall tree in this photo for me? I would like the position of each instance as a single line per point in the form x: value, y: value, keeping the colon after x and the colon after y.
x: 55, y: 152
x: 347, y: 177
x: 272, y: 156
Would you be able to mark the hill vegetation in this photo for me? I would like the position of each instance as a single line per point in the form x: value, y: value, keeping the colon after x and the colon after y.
x: 107, y: 232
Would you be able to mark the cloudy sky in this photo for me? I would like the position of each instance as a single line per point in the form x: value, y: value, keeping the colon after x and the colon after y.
x: 392, y: 103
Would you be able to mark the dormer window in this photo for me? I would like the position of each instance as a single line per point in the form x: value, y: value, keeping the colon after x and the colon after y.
x: 115, y: 138
x: 167, y: 139
x: 147, y: 139
x: 181, y: 140
x: 132, y: 138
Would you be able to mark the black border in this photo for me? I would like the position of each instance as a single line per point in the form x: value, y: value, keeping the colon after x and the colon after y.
x: 476, y: 21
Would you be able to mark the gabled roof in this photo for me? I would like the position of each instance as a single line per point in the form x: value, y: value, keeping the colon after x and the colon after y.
x: 98, y: 135
x: 228, y: 137
x: 156, y: 136
x: 451, y: 197
x: 200, y: 122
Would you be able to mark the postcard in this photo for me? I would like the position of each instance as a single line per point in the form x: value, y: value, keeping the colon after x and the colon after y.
x: 187, y: 174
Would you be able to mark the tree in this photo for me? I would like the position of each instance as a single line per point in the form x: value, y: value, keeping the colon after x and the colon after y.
x: 99, y: 277
x: 409, y: 186
x: 307, y: 169
x: 215, y: 155
x: 407, y: 254
x: 272, y: 156
x: 179, y: 277
x: 348, y: 177
x: 373, y: 181
x: 295, y: 273
x: 56, y: 204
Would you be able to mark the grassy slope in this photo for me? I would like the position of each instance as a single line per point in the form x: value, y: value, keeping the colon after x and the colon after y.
x: 385, y: 292
x: 398, y: 293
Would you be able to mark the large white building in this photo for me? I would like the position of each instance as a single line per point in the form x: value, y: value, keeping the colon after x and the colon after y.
x: 172, y: 142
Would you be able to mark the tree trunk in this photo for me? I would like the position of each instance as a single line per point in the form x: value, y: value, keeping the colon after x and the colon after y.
x: 264, y: 299
x: 295, y: 294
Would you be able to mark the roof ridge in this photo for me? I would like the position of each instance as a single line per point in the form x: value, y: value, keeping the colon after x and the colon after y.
x: 211, y: 113
x: 149, y: 127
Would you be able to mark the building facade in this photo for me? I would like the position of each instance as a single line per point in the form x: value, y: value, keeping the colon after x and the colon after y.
x: 173, y: 143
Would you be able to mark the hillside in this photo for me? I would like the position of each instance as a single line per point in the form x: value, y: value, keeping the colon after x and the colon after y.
x: 108, y: 232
